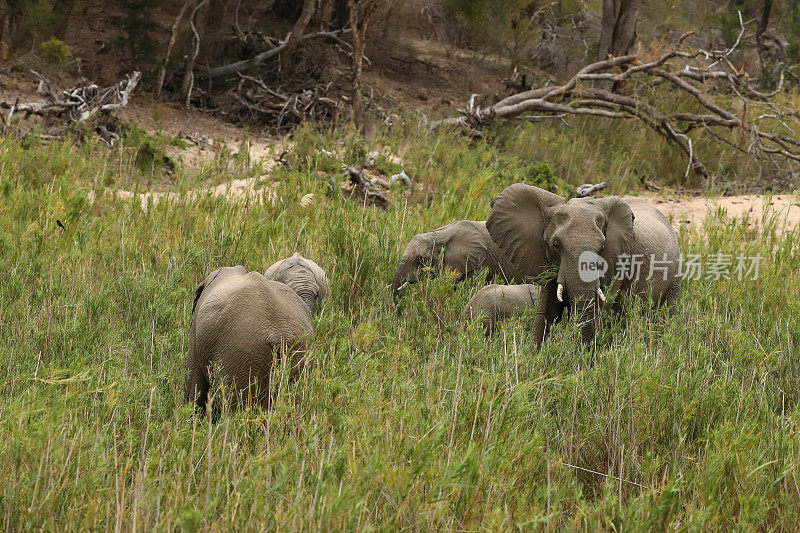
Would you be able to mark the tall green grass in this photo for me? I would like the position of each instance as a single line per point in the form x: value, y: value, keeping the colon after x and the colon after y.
x: 405, y: 421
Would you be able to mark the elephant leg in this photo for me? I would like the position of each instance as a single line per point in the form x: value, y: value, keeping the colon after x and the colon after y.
x: 671, y: 295
x: 548, y: 313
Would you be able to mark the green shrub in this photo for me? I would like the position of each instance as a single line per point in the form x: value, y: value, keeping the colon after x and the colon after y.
x: 55, y: 51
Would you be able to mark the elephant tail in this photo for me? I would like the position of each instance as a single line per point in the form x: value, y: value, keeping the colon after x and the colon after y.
x: 197, y: 384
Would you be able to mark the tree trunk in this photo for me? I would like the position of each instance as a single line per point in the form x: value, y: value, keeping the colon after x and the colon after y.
x: 300, y: 25
x: 617, y: 33
x: 162, y: 72
x: 7, y: 21
x: 188, y: 77
x: 618, y: 30
x: 762, y: 29
x: 62, y: 9
x: 359, y: 15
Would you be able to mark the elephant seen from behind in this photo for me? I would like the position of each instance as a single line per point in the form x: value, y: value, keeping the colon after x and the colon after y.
x: 244, y: 324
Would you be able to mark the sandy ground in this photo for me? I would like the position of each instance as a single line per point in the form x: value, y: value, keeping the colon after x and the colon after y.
x: 681, y: 209
x: 692, y: 210
x: 249, y: 190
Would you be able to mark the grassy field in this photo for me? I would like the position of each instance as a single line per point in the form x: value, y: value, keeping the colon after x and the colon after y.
x: 409, y: 421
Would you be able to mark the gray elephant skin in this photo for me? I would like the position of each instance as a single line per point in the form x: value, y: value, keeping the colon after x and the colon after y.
x: 244, y: 324
x: 465, y: 246
x: 494, y: 303
x: 539, y: 231
x: 303, y: 276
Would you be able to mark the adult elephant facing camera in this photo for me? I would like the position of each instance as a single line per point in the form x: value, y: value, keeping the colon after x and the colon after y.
x: 540, y: 231
x: 243, y: 323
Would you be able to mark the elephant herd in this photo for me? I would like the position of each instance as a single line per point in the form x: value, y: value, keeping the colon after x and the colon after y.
x: 244, y: 322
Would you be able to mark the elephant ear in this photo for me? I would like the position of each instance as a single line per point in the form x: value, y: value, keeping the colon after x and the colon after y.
x: 618, y: 230
x: 517, y: 226
x: 197, y: 292
x: 320, y: 277
x: 203, y: 284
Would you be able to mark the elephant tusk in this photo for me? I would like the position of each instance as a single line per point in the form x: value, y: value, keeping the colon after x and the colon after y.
x: 560, y: 293
x: 601, y: 295
x: 403, y: 286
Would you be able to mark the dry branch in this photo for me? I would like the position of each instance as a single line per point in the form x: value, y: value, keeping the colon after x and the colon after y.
x: 78, y: 103
x: 254, y: 61
x: 173, y: 35
x: 362, y: 189
x: 252, y: 100
x: 588, y: 189
x: 188, y: 77
x: 697, y: 73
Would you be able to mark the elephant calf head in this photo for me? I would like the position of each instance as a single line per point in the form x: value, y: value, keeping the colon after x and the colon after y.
x: 582, y: 240
x: 304, y: 276
x: 464, y: 246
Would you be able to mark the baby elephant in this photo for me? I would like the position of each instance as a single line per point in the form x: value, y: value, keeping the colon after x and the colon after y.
x: 243, y: 323
x: 465, y: 247
x: 497, y: 302
x: 304, y: 276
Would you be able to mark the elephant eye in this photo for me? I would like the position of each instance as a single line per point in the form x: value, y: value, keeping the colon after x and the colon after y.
x: 556, y: 244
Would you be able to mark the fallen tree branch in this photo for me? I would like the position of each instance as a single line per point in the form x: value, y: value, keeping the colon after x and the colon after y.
x: 122, y: 98
x: 78, y: 103
x: 361, y: 188
x: 254, y: 100
x: 257, y: 60
x: 588, y: 189
x: 697, y: 73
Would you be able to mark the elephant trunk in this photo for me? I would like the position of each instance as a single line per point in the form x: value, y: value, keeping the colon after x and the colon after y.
x: 405, y: 274
x: 308, y: 295
x: 582, y: 294
x: 585, y: 307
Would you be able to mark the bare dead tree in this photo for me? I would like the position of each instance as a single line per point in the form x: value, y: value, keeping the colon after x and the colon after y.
x: 188, y: 77
x: 309, y: 6
x: 162, y: 72
x: 360, y: 13
x: 696, y: 73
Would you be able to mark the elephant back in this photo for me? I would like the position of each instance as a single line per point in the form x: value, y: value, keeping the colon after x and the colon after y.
x: 250, y: 312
